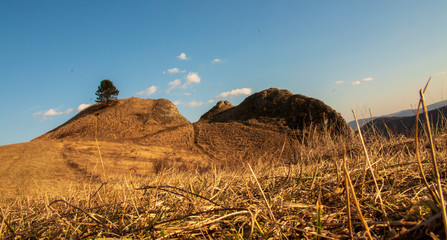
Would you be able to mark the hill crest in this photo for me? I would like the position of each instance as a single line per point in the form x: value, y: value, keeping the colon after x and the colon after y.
x: 119, y: 119
x: 281, y: 107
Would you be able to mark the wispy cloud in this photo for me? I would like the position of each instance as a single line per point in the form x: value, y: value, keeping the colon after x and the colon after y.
x: 217, y: 60
x: 150, y: 90
x: 54, y: 112
x: 183, y: 56
x: 339, y: 82
x: 194, y: 104
x: 210, y: 101
x: 83, y: 106
x: 175, y: 70
x: 174, y: 84
x: 236, y: 92
x: 177, y: 103
x: 368, y: 79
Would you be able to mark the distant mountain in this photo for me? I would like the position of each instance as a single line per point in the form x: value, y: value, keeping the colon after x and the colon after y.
x: 389, y: 126
x: 403, y: 113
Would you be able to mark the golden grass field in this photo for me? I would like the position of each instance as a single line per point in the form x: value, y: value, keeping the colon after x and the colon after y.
x: 336, y: 188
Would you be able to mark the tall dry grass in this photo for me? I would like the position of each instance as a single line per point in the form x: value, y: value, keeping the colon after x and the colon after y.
x: 328, y: 191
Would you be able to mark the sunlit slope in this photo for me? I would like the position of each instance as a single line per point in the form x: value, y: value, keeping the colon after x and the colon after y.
x: 141, y: 137
x: 46, y: 167
x: 33, y: 168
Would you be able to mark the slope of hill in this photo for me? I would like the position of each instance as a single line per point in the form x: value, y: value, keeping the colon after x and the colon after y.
x: 144, y: 136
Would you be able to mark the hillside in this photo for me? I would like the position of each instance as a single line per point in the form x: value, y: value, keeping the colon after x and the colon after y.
x: 146, y: 136
x: 271, y: 167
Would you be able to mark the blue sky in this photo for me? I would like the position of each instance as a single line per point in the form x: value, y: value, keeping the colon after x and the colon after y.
x: 350, y: 54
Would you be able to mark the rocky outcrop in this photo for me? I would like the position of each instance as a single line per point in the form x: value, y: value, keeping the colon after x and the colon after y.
x: 281, y: 107
x: 220, y: 107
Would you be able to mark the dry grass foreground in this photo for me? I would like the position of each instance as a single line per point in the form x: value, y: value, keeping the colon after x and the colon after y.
x: 260, y: 198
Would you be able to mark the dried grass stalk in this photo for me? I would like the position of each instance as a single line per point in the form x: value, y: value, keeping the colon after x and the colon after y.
x: 435, y: 164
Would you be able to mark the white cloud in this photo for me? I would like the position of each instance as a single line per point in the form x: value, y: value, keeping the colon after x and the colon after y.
x: 194, y: 104
x: 191, y: 78
x: 356, y: 83
x: 217, y: 60
x: 183, y: 56
x: 368, y: 79
x: 236, y: 92
x: 54, y: 112
x: 83, y: 106
x: 177, y: 103
x: 175, y: 70
x: 339, y: 82
x: 150, y: 90
x: 174, y: 83
x: 210, y: 101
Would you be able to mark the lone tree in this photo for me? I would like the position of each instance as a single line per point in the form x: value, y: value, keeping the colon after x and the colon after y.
x: 106, y: 91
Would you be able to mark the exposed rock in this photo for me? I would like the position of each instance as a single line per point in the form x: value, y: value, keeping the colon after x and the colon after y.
x: 281, y: 107
x: 220, y: 107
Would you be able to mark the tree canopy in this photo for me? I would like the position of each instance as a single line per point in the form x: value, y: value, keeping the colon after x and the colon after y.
x: 106, y: 91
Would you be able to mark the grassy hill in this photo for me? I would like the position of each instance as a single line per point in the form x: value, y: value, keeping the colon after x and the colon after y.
x: 146, y: 175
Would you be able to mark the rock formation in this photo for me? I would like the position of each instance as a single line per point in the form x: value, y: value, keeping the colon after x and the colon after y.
x: 281, y: 107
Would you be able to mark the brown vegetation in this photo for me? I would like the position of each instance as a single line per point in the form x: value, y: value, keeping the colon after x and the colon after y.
x: 251, y: 180
x: 192, y: 201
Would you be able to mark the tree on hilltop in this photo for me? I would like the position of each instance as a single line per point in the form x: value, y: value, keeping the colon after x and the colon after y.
x: 106, y: 91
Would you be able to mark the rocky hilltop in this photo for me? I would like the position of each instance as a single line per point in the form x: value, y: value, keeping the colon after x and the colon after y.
x: 281, y: 107
x: 121, y: 119
x: 267, y: 124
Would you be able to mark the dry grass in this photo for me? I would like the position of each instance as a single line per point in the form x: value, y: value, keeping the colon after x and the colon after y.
x: 306, y: 199
x: 331, y: 189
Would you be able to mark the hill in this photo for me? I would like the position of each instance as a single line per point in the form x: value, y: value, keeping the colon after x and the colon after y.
x: 282, y: 108
x: 268, y: 123
x: 123, y: 119
x: 403, y: 113
x: 145, y: 136
x: 387, y: 126
x: 152, y: 174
